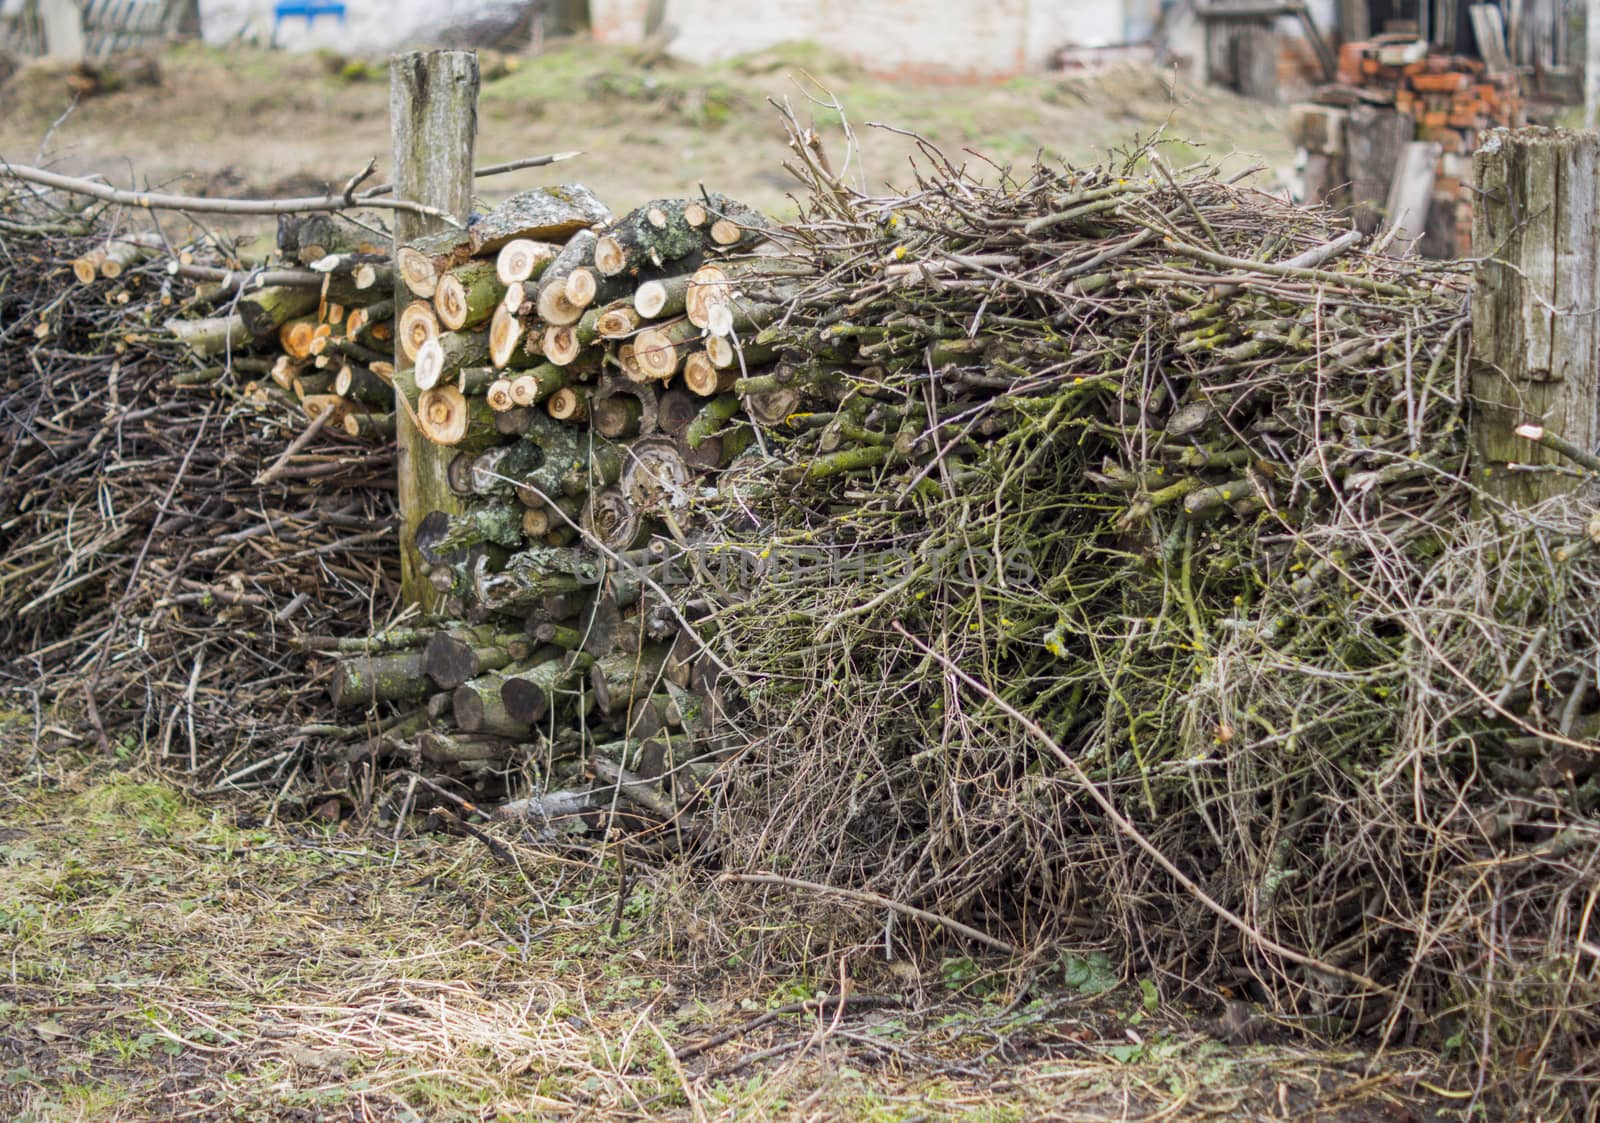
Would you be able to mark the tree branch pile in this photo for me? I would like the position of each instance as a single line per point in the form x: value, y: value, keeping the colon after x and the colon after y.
x: 163, y: 563
x: 1112, y: 568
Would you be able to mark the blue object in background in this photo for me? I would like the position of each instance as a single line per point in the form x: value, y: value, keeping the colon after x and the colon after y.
x: 307, y: 10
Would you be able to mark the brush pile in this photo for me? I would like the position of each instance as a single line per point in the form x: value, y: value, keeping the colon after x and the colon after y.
x: 163, y: 569
x: 1116, y: 533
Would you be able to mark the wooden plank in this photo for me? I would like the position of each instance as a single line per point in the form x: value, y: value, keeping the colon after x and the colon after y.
x: 1535, y: 306
x: 1591, y: 69
x: 1411, y: 193
x: 1489, y: 29
x: 1374, y: 138
x: 433, y: 112
x: 1255, y: 52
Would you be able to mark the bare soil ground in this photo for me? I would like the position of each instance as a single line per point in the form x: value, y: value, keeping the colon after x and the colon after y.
x: 173, y: 957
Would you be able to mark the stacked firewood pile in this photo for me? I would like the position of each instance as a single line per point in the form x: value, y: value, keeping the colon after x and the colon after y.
x: 321, y: 312
x: 582, y: 372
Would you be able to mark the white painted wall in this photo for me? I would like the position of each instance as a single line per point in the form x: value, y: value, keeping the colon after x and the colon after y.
x: 962, y: 39
x: 370, y: 25
x: 958, y: 39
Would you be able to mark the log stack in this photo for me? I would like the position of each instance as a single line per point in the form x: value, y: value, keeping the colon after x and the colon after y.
x: 318, y: 320
x: 586, y: 372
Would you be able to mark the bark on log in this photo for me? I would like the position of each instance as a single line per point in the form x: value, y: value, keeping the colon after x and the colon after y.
x: 360, y: 680
x: 467, y: 295
x: 531, y: 694
x: 552, y: 304
x: 211, y: 337
x: 478, y: 707
x: 454, y: 656
x: 266, y: 310
x: 660, y: 298
x: 647, y: 238
x: 618, y: 680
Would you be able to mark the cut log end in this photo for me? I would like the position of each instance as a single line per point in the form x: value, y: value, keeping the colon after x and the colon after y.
x: 567, y: 404
x: 429, y: 367
x: 616, y: 416
x: 450, y: 303
x: 418, y: 325
x: 522, y: 259
x: 444, y: 415
x: 554, y: 307
x: 610, y: 257
x: 417, y: 271
x: 499, y: 396
x: 561, y: 345
x: 505, y: 332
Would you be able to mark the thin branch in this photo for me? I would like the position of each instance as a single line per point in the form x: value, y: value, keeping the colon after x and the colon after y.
x: 155, y: 200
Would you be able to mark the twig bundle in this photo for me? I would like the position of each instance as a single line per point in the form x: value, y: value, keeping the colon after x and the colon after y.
x: 1115, y: 569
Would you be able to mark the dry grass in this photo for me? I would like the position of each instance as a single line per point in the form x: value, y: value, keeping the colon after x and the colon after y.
x: 172, y: 959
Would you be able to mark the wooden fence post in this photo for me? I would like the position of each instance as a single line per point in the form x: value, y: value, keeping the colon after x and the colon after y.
x: 1535, y: 308
x: 433, y: 111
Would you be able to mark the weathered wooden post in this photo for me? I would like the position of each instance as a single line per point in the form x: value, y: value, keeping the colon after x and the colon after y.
x: 1535, y: 309
x: 433, y: 111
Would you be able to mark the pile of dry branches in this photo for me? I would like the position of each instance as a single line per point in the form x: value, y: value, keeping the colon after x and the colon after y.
x: 161, y: 562
x: 1114, y: 571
